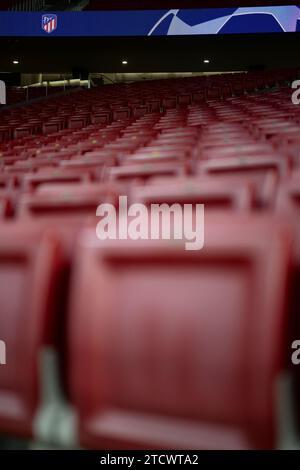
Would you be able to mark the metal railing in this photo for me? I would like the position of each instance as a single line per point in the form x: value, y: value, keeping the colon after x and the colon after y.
x: 47, y: 5
x: 29, y: 5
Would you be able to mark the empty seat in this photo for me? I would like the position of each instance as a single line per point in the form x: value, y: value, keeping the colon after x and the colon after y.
x: 29, y: 262
x: 236, y: 149
x: 102, y: 117
x: 52, y: 126
x: 32, y: 181
x: 183, y: 349
x: 77, y: 122
x: 264, y: 173
x: 121, y: 114
x: 212, y: 194
x: 144, y: 172
x: 66, y: 204
x: 22, y: 131
x: 153, y: 106
x: 140, y: 111
x: 169, y: 102
x: 213, y: 93
x: 199, y: 96
x: 184, y: 99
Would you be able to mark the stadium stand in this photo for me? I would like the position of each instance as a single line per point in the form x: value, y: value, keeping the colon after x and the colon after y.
x: 184, y: 350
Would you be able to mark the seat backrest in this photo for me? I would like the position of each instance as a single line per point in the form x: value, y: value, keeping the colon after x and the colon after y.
x: 263, y: 173
x: 212, y: 194
x: 144, y: 171
x: 183, y: 349
x: 121, y: 114
x: 66, y: 204
x: 33, y: 181
x: 29, y: 264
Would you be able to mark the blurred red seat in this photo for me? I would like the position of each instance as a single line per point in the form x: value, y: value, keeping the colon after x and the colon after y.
x: 169, y: 102
x: 121, y: 114
x: 213, y: 194
x: 67, y: 201
x: 184, y: 99
x: 78, y: 121
x: 183, y: 349
x: 153, y: 106
x: 51, y: 127
x: 32, y: 181
x: 199, y: 96
x: 102, y: 117
x: 264, y: 173
x: 139, y: 111
x: 143, y: 172
x: 29, y: 264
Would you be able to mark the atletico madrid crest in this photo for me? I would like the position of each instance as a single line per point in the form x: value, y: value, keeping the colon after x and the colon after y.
x: 49, y: 23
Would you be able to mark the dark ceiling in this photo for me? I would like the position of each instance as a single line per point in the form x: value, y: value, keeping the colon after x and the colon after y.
x: 137, y: 4
x: 155, y: 54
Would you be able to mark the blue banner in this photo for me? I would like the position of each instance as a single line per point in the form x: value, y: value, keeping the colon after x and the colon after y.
x: 180, y: 22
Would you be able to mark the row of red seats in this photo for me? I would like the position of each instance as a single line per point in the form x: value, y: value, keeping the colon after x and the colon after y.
x: 150, y: 356
x: 251, y: 186
x: 101, y: 105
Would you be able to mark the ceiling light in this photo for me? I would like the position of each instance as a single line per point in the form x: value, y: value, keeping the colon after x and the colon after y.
x: 124, y: 62
x: 206, y: 61
x: 15, y: 62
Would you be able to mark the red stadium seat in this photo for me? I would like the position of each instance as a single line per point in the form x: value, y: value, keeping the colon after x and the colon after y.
x: 191, y: 191
x: 102, y: 117
x: 183, y: 349
x: 264, y: 173
x: 29, y: 263
x: 169, y: 103
x: 213, y: 93
x: 121, y: 114
x: 184, y: 99
x: 199, y: 96
x: 144, y: 172
x: 153, y: 106
x: 77, y: 122
x: 22, y: 131
x: 32, y: 181
x: 65, y: 203
x: 140, y: 111
x: 52, y: 126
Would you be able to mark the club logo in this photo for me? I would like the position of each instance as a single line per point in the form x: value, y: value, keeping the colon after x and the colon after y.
x: 49, y: 23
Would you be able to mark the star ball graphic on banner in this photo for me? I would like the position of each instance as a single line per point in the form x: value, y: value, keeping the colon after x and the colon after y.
x: 227, y: 20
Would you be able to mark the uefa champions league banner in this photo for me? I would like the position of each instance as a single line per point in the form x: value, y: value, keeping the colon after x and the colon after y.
x: 182, y: 22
